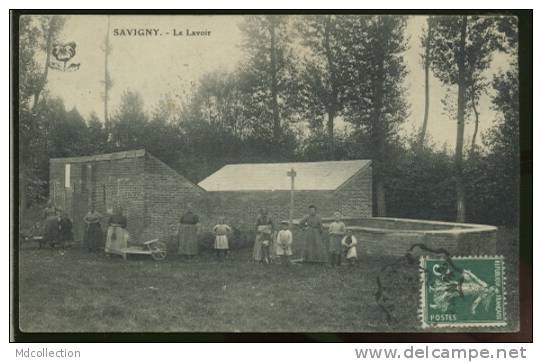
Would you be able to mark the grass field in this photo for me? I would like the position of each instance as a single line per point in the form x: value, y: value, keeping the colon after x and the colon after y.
x: 81, y: 292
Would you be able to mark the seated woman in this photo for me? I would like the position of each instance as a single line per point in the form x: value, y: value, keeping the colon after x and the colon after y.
x: 117, y: 235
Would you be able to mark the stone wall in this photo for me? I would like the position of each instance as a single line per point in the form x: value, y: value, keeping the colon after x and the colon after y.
x: 394, y: 237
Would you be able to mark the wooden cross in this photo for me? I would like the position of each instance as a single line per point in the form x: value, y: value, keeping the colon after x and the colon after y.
x: 292, y: 174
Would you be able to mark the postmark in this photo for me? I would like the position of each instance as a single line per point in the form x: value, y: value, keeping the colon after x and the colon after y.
x: 462, y: 291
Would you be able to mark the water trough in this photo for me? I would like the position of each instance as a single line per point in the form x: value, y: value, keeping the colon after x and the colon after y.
x: 394, y: 236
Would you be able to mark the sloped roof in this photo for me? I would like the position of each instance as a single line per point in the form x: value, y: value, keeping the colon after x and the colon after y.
x: 102, y: 157
x: 327, y: 175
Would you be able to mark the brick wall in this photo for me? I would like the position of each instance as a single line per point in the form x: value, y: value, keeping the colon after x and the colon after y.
x: 106, y: 183
x: 166, y: 196
x: 154, y: 196
x: 355, y: 197
x: 240, y: 208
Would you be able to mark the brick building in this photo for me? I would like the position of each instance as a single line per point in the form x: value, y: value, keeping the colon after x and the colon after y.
x: 152, y: 194
x: 241, y: 190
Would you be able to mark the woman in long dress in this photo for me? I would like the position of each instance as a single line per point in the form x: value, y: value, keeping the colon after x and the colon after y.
x: 314, y: 250
x: 93, y: 234
x: 264, y: 229
x: 117, y: 235
x: 50, y: 214
x: 187, y: 234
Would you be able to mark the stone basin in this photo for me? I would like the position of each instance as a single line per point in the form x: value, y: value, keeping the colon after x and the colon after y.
x: 394, y: 236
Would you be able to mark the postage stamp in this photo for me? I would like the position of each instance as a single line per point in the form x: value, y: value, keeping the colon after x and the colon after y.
x: 462, y: 292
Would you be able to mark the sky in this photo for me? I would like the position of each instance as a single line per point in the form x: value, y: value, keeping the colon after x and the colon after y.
x: 156, y: 66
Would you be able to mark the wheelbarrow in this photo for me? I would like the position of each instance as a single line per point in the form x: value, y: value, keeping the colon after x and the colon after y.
x: 156, y: 249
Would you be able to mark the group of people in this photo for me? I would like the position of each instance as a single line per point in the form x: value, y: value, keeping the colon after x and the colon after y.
x: 58, y: 229
x: 342, y: 241
x: 117, y: 235
x: 271, y: 242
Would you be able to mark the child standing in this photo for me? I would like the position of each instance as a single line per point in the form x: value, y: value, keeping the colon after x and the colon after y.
x: 337, y: 229
x: 266, y: 244
x: 284, y: 243
x: 221, y: 231
x: 264, y: 229
x: 349, y: 243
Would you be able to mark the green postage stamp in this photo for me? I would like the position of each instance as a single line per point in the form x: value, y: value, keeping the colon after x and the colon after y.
x: 462, y: 292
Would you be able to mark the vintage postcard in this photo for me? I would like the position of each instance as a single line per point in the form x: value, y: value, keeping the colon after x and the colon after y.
x: 276, y: 172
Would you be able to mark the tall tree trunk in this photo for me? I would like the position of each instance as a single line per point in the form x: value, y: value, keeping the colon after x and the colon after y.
x: 379, y: 135
x: 274, y: 85
x: 461, y: 88
x: 26, y: 156
x: 333, y: 95
x: 330, y: 132
x: 107, y: 80
x: 427, y: 67
x: 43, y: 80
x: 476, y: 122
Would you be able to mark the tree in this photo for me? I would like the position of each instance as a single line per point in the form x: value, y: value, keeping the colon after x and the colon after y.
x: 108, y: 83
x: 375, y: 103
x: 160, y: 134
x: 218, y: 127
x: 462, y: 49
x: 475, y: 89
x: 503, y: 144
x: 420, y: 181
x: 60, y: 133
x: 427, y: 39
x: 322, y: 79
x: 128, y: 125
x: 96, y: 135
x: 502, y: 140
x: 267, y: 75
x: 28, y: 68
x: 218, y: 101
x: 164, y: 137
x: 37, y: 36
x: 51, y: 26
